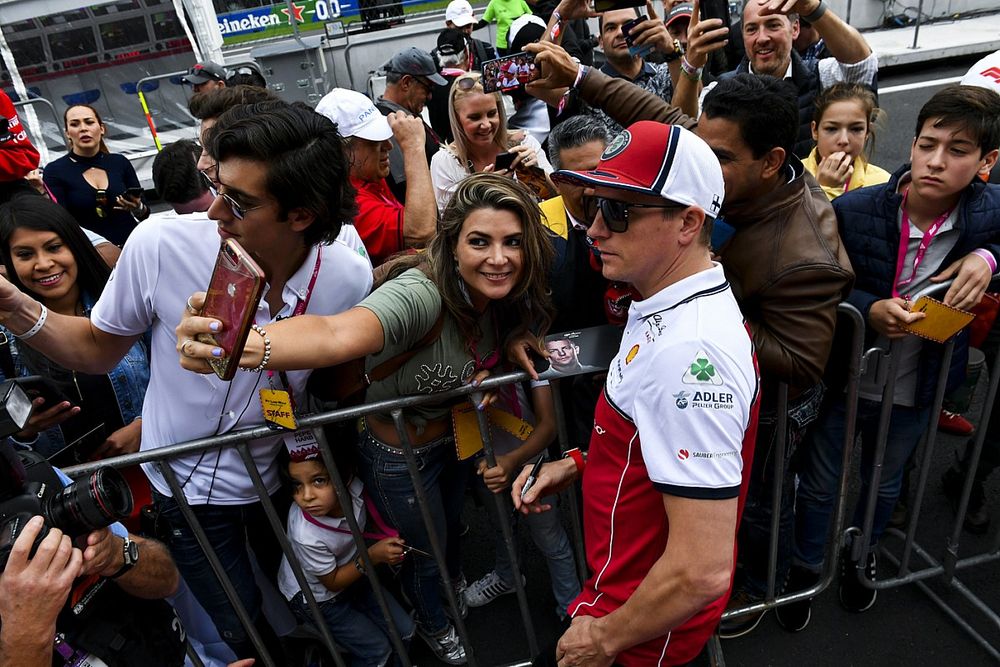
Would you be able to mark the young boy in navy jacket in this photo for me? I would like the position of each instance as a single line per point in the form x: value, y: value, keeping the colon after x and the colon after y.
x: 934, y: 220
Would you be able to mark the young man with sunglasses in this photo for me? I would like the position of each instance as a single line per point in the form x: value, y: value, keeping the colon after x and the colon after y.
x: 674, y: 430
x: 281, y: 176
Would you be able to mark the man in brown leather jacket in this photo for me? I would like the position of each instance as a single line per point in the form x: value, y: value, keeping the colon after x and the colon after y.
x: 783, y: 257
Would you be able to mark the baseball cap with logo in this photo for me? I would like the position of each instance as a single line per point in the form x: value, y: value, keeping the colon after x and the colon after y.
x: 985, y: 73
x: 415, y: 62
x: 460, y: 13
x: 354, y: 114
x: 204, y: 72
x: 660, y: 160
x: 681, y: 11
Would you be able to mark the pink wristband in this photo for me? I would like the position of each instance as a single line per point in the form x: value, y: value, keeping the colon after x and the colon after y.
x: 988, y: 256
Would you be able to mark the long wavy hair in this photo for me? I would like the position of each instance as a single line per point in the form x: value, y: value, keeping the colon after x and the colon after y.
x: 528, y: 305
x: 460, y: 146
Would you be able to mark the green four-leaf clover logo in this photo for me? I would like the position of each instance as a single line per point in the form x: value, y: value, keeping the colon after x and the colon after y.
x: 702, y: 370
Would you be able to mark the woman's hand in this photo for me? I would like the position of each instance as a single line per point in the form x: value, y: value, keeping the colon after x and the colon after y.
x: 34, y: 178
x: 194, y: 355
x: 44, y: 419
x: 525, y: 156
x: 389, y: 551
x: 519, y: 352
x: 499, y: 476
x: 489, y: 397
x: 125, y: 440
x: 125, y: 203
x: 835, y: 169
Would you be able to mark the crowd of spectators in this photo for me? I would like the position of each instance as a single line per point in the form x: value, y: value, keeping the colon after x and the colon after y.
x: 717, y: 215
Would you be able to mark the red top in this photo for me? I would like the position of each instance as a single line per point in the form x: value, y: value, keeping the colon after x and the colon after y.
x: 379, y: 220
x: 17, y: 155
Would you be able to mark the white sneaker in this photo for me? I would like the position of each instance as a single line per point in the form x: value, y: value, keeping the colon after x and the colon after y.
x: 487, y: 589
x: 446, y: 645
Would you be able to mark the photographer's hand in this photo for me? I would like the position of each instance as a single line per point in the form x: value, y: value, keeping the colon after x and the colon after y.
x: 32, y: 593
x: 104, y: 554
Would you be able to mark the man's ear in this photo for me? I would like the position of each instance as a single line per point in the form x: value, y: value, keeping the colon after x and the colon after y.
x: 299, y: 219
x: 772, y: 162
x: 989, y: 161
x: 692, y: 220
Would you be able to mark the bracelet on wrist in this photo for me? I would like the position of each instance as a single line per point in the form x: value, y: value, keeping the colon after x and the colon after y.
x: 690, y: 71
x: 359, y: 564
x: 578, y: 459
x: 557, y: 26
x: 37, y: 326
x: 267, y: 350
x: 816, y: 14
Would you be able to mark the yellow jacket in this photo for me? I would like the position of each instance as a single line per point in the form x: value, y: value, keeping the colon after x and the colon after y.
x: 865, y: 174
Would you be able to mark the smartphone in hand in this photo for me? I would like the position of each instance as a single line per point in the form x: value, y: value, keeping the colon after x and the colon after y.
x: 510, y: 72
x: 629, y: 40
x: 504, y: 161
x: 234, y: 292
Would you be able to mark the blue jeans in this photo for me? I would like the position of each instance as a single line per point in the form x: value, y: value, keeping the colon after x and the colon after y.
x: 548, y: 534
x: 755, y: 526
x: 230, y: 529
x: 357, y: 625
x: 387, y: 478
x: 822, y: 466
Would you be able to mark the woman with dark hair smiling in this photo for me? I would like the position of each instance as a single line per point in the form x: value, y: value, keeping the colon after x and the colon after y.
x: 481, y: 284
x: 48, y: 257
x: 99, y: 188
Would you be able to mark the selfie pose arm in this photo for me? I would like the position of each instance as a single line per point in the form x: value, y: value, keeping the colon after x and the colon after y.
x: 72, y: 342
x: 307, y: 341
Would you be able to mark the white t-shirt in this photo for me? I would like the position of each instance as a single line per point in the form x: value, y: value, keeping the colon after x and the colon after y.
x: 447, y: 172
x: 320, y: 550
x: 160, y: 267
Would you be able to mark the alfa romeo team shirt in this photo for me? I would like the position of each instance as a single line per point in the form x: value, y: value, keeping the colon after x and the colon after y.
x: 678, y: 416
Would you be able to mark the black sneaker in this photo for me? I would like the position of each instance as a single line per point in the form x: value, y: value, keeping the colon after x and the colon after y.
x: 977, y: 519
x: 854, y: 596
x: 731, y: 628
x: 795, y: 617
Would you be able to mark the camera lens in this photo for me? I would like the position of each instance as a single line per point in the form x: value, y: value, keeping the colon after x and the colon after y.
x: 91, y: 504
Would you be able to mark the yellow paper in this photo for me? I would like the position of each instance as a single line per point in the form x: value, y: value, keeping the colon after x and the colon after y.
x: 277, y: 407
x: 554, y: 216
x: 468, y: 440
x: 941, y: 323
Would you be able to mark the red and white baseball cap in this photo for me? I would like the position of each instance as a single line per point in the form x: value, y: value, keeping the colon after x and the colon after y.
x: 660, y: 160
x: 985, y: 73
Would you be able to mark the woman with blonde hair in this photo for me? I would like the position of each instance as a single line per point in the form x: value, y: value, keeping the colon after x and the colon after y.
x: 479, y: 125
x: 481, y: 284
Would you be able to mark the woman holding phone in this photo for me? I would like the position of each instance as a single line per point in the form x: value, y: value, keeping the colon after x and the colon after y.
x: 47, y: 256
x: 99, y: 188
x: 482, y: 281
x: 482, y: 141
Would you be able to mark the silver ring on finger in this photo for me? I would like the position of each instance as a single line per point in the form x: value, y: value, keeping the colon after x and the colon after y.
x: 184, y: 349
x: 190, y: 307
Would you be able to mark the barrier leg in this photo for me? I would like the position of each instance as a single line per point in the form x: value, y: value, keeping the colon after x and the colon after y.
x: 575, y: 512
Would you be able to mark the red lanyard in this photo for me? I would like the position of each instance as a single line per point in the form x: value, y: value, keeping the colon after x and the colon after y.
x: 300, y: 308
x: 904, y: 242
x: 385, y: 529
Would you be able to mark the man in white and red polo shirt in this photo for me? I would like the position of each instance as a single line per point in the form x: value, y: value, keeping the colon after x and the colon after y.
x: 674, y: 429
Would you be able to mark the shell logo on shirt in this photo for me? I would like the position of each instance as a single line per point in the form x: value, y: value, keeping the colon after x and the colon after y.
x: 631, y: 354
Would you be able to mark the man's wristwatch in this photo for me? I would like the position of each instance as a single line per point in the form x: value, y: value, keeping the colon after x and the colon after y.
x: 130, y: 552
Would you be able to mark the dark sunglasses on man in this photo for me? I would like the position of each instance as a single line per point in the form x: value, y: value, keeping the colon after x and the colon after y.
x: 614, y: 211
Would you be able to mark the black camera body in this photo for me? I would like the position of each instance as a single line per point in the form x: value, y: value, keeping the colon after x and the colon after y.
x: 30, y: 486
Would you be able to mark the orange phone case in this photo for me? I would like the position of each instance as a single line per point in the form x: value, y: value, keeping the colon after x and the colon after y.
x: 234, y: 292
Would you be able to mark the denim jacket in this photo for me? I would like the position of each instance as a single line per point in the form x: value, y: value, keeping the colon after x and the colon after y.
x: 129, y: 380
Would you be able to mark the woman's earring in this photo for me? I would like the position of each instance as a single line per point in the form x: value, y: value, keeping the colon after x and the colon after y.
x: 464, y: 289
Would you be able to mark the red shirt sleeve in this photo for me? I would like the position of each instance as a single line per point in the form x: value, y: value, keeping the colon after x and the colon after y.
x: 379, y: 220
x: 17, y: 155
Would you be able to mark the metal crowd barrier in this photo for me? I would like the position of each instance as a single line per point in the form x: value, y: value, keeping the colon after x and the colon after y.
x: 944, y: 567
x: 161, y: 456
x: 848, y: 319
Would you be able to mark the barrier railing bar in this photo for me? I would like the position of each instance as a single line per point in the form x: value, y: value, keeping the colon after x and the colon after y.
x: 306, y: 421
x: 213, y: 560
x: 562, y: 432
x: 286, y: 547
x: 344, y: 497
x: 777, y: 484
x: 432, y: 534
x: 503, y: 511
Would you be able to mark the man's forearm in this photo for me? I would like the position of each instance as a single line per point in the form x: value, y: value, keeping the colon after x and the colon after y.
x: 626, y: 103
x: 154, y: 576
x: 26, y: 651
x: 844, y: 42
x: 420, y: 212
x: 685, y: 93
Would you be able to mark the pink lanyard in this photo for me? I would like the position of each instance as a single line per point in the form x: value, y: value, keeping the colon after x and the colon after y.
x: 384, y: 528
x: 300, y: 308
x: 904, y: 242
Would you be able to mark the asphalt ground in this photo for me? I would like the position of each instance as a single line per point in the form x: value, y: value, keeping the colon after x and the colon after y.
x: 903, y: 628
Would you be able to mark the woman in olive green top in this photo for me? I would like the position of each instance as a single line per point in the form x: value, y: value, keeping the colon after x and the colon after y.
x: 486, y: 270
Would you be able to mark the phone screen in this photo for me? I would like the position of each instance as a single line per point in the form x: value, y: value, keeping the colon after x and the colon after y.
x: 233, y: 294
x: 134, y: 192
x: 510, y: 72
x: 503, y: 161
